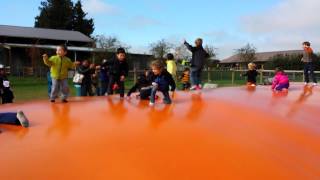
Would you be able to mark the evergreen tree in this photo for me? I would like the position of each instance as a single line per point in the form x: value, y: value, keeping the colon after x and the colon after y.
x: 55, y: 14
x: 62, y: 14
x: 80, y: 22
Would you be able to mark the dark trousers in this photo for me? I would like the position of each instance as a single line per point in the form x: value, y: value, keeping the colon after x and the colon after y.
x: 103, y: 87
x: 166, y: 99
x: 9, y: 118
x: 196, y: 76
x: 115, y: 80
x: 6, y: 100
x: 186, y: 86
x: 145, y: 93
x: 280, y: 87
x: 309, y: 68
x: 86, y: 89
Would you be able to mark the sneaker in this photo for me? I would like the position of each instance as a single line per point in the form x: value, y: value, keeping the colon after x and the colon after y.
x: 193, y: 88
x: 151, y: 104
x: 200, y: 86
x: 52, y: 100
x: 22, y: 119
x: 64, y: 101
x: 315, y: 84
x: 306, y: 84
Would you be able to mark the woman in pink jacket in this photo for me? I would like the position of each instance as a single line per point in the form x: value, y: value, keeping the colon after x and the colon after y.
x: 280, y: 81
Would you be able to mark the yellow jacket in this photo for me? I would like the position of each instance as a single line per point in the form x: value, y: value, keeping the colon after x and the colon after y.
x: 59, y: 66
x: 172, y: 67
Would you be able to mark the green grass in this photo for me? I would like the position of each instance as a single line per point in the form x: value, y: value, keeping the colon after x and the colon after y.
x: 31, y: 88
x: 26, y: 89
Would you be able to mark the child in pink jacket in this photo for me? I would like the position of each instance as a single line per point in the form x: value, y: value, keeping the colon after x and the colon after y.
x: 280, y: 81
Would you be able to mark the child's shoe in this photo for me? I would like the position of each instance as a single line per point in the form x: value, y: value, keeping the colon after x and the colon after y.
x: 151, y: 104
x: 52, y: 101
x: 315, y: 84
x: 193, y: 88
x: 64, y: 101
x: 198, y: 87
x: 167, y: 102
x: 22, y: 119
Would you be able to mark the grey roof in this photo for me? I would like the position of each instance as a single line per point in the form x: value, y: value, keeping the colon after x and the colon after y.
x: 42, y: 33
x: 261, y: 57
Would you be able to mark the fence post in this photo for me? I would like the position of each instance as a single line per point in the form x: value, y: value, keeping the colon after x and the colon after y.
x: 208, y: 71
x: 233, y: 76
x: 134, y: 73
x: 261, y: 74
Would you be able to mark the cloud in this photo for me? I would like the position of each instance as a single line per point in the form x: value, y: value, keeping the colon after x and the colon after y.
x: 140, y: 49
x: 288, y: 15
x: 99, y: 7
x: 143, y: 22
x: 284, y: 26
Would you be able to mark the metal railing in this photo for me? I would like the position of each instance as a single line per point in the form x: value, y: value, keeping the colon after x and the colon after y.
x: 228, y: 76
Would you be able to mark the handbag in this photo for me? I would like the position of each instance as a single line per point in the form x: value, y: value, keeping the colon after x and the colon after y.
x: 78, y: 78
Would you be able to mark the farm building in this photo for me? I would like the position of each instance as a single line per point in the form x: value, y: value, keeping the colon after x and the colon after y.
x: 21, y: 49
x: 260, y: 58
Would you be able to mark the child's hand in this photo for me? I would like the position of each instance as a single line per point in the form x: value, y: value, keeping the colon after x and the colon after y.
x: 45, y: 56
x: 115, y: 87
x: 154, y: 84
x: 92, y: 66
x: 77, y: 63
x: 122, y: 78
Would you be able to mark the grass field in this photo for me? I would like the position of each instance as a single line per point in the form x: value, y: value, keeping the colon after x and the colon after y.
x: 31, y: 88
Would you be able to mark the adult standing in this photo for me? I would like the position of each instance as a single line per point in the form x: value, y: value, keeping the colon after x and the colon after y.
x: 199, y: 56
x: 307, y: 59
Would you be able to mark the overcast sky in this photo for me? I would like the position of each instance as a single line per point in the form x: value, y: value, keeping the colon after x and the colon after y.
x: 227, y: 25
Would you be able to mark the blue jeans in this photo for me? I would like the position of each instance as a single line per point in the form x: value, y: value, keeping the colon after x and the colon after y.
x: 9, y: 118
x: 166, y: 100
x: 49, y: 79
x: 196, y: 76
x: 309, y: 67
x: 57, y: 86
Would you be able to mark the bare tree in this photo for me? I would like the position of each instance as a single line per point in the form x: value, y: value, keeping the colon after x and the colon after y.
x: 247, y: 53
x: 160, y: 48
x: 182, y: 53
x: 110, y: 43
x: 211, y: 61
x: 211, y: 50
